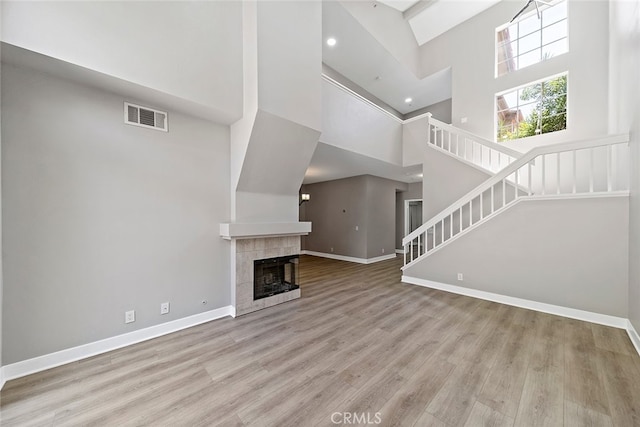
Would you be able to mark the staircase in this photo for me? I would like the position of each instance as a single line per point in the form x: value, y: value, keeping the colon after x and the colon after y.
x: 468, y: 148
x: 587, y: 168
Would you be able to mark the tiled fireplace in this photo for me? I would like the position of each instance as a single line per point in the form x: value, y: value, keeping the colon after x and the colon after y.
x: 247, y: 251
x: 251, y: 242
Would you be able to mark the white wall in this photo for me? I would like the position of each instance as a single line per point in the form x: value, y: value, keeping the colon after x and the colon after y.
x: 445, y: 180
x: 624, y: 88
x: 192, y: 50
x: 414, y: 141
x: 571, y: 253
x: 390, y: 29
x: 273, y: 143
x: 1, y: 258
x: 470, y: 50
x: 290, y: 60
x: 355, y: 125
x: 100, y: 217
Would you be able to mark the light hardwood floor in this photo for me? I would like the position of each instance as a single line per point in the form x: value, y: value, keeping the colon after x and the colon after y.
x: 359, y: 345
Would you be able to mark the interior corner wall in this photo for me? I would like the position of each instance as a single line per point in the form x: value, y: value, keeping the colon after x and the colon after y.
x: 624, y: 95
x: 100, y: 217
x: 441, y: 110
x: 469, y: 49
x: 337, y: 207
x: 381, y: 218
x: 1, y: 252
x: 414, y: 192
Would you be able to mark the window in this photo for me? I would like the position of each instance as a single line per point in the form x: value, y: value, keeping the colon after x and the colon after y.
x: 532, y: 110
x: 532, y: 39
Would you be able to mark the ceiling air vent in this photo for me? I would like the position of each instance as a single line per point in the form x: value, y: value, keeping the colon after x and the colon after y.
x: 145, y: 117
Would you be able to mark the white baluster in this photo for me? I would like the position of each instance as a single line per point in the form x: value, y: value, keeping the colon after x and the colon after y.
x: 575, y: 172
x: 591, y: 170
x: 544, y: 179
x: 609, y: 168
x: 492, y: 197
x: 451, y: 225
x: 558, y: 173
x: 428, y: 115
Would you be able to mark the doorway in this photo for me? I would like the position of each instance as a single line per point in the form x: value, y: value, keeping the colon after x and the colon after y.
x: 412, y: 215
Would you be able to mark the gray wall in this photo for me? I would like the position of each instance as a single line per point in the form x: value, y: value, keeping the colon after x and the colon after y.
x: 440, y: 111
x: 337, y: 207
x: 100, y: 217
x: 414, y: 191
x: 624, y: 116
x: 446, y: 180
x: 1, y: 252
x: 571, y: 253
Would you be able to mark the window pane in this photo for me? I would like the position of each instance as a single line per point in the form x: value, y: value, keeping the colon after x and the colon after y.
x: 529, y: 42
x: 511, y: 99
x: 554, y: 32
x: 555, y: 49
x: 554, y: 14
x: 532, y: 110
x: 529, y: 58
x: 529, y: 25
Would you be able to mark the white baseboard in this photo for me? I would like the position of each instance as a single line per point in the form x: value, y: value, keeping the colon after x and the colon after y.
x: 62, y: 357
x: 400, y: 251
x: 633, y: 336
x: 350, y: 258
x: 572, y: 313
x: 2, y: 380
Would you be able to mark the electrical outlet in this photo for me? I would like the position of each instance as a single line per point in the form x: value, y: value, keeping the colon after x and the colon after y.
x: 164, y: 308
x: 460, y: 276
x: 382, y: 250
x: 357, y: 228
x: 331, y: 249
x: 130, y: 316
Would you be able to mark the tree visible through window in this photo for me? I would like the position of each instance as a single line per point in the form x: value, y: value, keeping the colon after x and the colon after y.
x: 532, y: 110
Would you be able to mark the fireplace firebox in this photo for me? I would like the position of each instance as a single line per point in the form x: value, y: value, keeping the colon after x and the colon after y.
x: 274, y: 276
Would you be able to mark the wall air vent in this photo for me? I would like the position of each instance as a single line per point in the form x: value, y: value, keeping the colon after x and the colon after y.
x: 145, y: 117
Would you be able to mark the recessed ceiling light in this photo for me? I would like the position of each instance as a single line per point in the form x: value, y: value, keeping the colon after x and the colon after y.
x: 331, y: 41
x: 408, y: 100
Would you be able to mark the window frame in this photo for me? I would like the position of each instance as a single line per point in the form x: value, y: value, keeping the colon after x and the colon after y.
x: 516, y: 107
x: 540, y: 46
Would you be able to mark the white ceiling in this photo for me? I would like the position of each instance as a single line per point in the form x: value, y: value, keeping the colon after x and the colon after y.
x: 442, y: 15
x: 401, y: 5
x: 330, y: 162
x: 361, y: 58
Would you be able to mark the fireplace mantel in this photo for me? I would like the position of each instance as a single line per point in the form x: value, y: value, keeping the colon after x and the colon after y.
x: 248, y: 230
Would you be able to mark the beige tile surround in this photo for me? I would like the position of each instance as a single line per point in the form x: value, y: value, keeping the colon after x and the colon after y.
x: 248, y: 250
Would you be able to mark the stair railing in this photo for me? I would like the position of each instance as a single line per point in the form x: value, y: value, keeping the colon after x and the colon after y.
x: 575, y: 169
x: 468, y: 147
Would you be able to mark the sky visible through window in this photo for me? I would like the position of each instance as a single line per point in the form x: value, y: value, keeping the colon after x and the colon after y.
x: 532, y: 39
